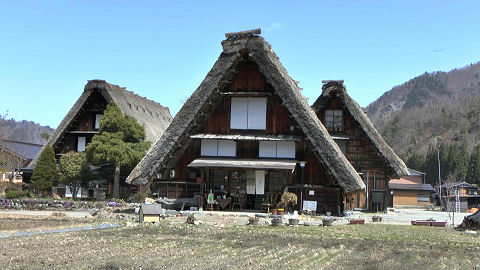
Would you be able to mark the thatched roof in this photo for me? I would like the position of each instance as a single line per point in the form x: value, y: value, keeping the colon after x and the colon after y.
x: 153, y: 116
x: 337, y: 89
x: 242, y: 48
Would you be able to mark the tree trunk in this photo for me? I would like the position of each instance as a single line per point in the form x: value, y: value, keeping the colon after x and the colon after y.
x: 74, y: 190
x: 116, y: 182
x: 471, y: 221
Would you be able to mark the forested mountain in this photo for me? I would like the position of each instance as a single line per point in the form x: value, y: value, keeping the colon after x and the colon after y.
x: 437, y: 111
x: 23, y: 131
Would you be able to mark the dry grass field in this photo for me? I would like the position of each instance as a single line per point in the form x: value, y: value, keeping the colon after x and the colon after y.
x: 175, y: 245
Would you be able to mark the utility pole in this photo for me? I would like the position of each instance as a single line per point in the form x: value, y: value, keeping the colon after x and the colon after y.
x: 439, y: 179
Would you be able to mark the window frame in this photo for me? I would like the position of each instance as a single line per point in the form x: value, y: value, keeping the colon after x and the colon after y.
x: 333, y: 120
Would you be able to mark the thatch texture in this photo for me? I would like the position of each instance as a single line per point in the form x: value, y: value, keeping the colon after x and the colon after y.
x: 153, y: 116
x: 251, y: 48
x: 337, y: 89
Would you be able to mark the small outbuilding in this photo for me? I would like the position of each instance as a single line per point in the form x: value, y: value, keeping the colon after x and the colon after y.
x: 150, y: 212
x: 410, y: 190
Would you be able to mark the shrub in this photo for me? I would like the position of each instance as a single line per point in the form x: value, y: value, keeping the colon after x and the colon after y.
x: 14, y: 194
x: 289, y: 198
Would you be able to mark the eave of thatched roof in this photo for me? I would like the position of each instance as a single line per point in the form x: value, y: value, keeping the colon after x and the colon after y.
x: 153, y: 116
x: 235, y: 50
x: 337, y: 89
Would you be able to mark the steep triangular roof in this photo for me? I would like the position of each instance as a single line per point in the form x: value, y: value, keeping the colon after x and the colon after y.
x: 337, y: 89
x: 238, y: 49
x: 153, y: 116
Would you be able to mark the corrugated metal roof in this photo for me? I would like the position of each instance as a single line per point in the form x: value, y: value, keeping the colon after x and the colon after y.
x: 151, y: 209
x: 27, y: 150
x: 239, y: 137
x: 423, y: 187
x: 281, y: 164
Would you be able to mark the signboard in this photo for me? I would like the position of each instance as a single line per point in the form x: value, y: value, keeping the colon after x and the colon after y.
x: 310, y: 205
x: 377, y: 196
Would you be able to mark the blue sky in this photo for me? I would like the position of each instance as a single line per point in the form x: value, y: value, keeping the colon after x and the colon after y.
x: 163, y: 50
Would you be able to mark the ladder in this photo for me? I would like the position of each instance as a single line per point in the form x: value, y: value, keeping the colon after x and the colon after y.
x: 457, y: 201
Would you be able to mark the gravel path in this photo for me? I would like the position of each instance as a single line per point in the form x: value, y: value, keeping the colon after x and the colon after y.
x: 404, y: 216
x: 73, y: 214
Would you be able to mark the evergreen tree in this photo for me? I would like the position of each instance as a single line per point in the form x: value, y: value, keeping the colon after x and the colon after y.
x: 446, y: 155
x: 431, y: 166
x: 121, y: 141
x: 416, y: 161
x: 473, y: 173
x: 45, y: 173
x: 462, y: 162
x: 74, y: 171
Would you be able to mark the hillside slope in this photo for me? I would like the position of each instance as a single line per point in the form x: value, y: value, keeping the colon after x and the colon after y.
x: 438, y: 106
x: 23, y: 131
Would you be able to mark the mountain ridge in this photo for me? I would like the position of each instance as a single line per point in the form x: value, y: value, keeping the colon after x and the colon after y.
x: 432, y: 108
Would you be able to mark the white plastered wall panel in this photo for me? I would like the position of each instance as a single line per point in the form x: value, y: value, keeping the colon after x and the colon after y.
x: 267, y: 149
x: 257, y: 113
x: 238, y: 113
x: 227, y: 148
x: 286, y: 149
x: 209, y: 148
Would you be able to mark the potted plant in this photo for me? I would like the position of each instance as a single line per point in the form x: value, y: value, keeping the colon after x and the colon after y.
x: 253, y: 220
x: 289, y: 198
x: 280, y: 211
x: 327, y: 221
x: 293, y: 221
x: 276, y: 221
x: 274, y: 211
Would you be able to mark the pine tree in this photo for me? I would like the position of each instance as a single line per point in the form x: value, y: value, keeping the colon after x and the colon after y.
x: 45, y: 174
x: 121, y: 141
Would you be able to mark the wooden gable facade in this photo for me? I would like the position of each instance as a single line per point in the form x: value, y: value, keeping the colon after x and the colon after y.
x: 336, y: 111
x: 185, y: 181
x: 245, y: 136
x: 83, y: 126
x: 82, y: 123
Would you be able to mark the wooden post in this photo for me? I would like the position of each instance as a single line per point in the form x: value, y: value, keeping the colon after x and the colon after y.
x: 202, y: 191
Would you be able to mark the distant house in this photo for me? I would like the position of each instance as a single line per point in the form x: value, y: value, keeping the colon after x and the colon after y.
x: 361, y: 144
x: 468, y: 195
x: 246, y: 135
x: 82, y: 122
x: 15, y: 155
x: 410, y: 190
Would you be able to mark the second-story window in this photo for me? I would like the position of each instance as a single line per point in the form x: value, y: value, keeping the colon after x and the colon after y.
x: 98, y: 117
x: 334, y: 120
x: 248, y: 113
x: 81, y: 142
x: 272, y: 149
x: 218, y: 148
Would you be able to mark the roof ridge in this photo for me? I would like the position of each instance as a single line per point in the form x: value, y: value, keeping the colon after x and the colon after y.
x: 92, y: 84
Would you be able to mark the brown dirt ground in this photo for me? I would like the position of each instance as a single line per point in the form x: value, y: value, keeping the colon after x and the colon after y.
x: 211, y: 245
